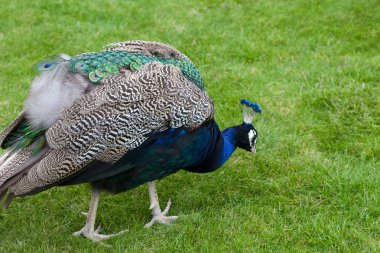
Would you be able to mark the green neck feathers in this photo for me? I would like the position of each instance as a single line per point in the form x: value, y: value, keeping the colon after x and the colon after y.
x: 102, y: 64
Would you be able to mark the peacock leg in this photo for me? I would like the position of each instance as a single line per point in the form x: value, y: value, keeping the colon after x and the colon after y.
x: 158, y: 216
x: 88, y: 230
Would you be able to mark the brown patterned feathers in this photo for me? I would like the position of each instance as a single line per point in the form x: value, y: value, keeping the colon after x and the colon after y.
x: 119, y: 118
x: 97, y: 107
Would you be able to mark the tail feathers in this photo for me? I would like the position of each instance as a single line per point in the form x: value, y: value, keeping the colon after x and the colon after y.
x: 8, y: 200
x: 20, y: 134
x: 14, y: 164
x: 25, y: 147
x: 5, y: 187
x: 2, y: 195
x: 4, y: 157
x: 13, y: 126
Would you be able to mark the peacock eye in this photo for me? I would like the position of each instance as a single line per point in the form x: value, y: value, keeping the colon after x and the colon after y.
x: 47, y: 65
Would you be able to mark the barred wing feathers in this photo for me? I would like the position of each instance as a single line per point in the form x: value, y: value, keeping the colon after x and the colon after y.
x: 114, y: 118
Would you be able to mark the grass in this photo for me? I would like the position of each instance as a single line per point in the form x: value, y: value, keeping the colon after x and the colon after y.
x: 313, y: 66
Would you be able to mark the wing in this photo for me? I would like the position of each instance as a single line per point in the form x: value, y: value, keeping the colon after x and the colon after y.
x: 115, y: 118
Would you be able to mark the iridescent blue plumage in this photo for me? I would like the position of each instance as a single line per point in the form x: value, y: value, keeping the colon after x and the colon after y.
x: 252, y: 105
x: 200, y: 150
x: 161, y: 155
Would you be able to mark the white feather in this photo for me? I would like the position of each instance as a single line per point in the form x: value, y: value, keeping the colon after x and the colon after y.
x: 248, y: 115
x: 4, y: 157
x: 5, y: 164
x: 251, y: 134
x: 50, y: 93
x: 65, y: 57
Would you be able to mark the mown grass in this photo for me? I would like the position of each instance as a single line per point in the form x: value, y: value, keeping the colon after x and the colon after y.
x: 312, y: 65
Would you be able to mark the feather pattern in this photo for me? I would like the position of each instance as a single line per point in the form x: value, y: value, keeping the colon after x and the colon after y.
x: 24, y: 136
x: 132, y: 113
x: 162, y: 154
x: 115, y: 118
x: 132, y: 55
x: 102, y: 64
x: 7, y: 134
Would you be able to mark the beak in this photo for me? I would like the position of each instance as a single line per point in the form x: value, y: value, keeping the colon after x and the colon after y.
x: 253, y: 150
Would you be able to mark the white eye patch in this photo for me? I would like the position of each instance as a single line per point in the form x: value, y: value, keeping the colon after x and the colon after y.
x: 251, y: 135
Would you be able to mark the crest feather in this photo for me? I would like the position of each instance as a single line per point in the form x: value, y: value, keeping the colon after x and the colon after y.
x: 249, y: 110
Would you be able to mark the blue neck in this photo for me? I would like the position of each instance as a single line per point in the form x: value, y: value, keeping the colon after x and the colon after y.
x: 228, y: 146
x: 220, y: 149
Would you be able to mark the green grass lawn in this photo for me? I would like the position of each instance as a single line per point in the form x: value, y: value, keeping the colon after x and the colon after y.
x: 313, y: 66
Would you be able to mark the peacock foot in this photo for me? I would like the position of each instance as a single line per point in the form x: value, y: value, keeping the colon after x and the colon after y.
x: 161, y: 217
x: 94, y: 235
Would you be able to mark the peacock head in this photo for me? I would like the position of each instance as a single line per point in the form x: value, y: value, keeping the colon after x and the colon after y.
x: 246, y: 134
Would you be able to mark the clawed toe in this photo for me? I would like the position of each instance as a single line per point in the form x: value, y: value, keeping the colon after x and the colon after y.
x: 89, y: 230
x: 158, y: 215
x: 161, y: 217
x: 95, y: 235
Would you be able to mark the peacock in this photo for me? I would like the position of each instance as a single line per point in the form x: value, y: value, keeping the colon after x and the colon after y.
x: 131, y: 114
